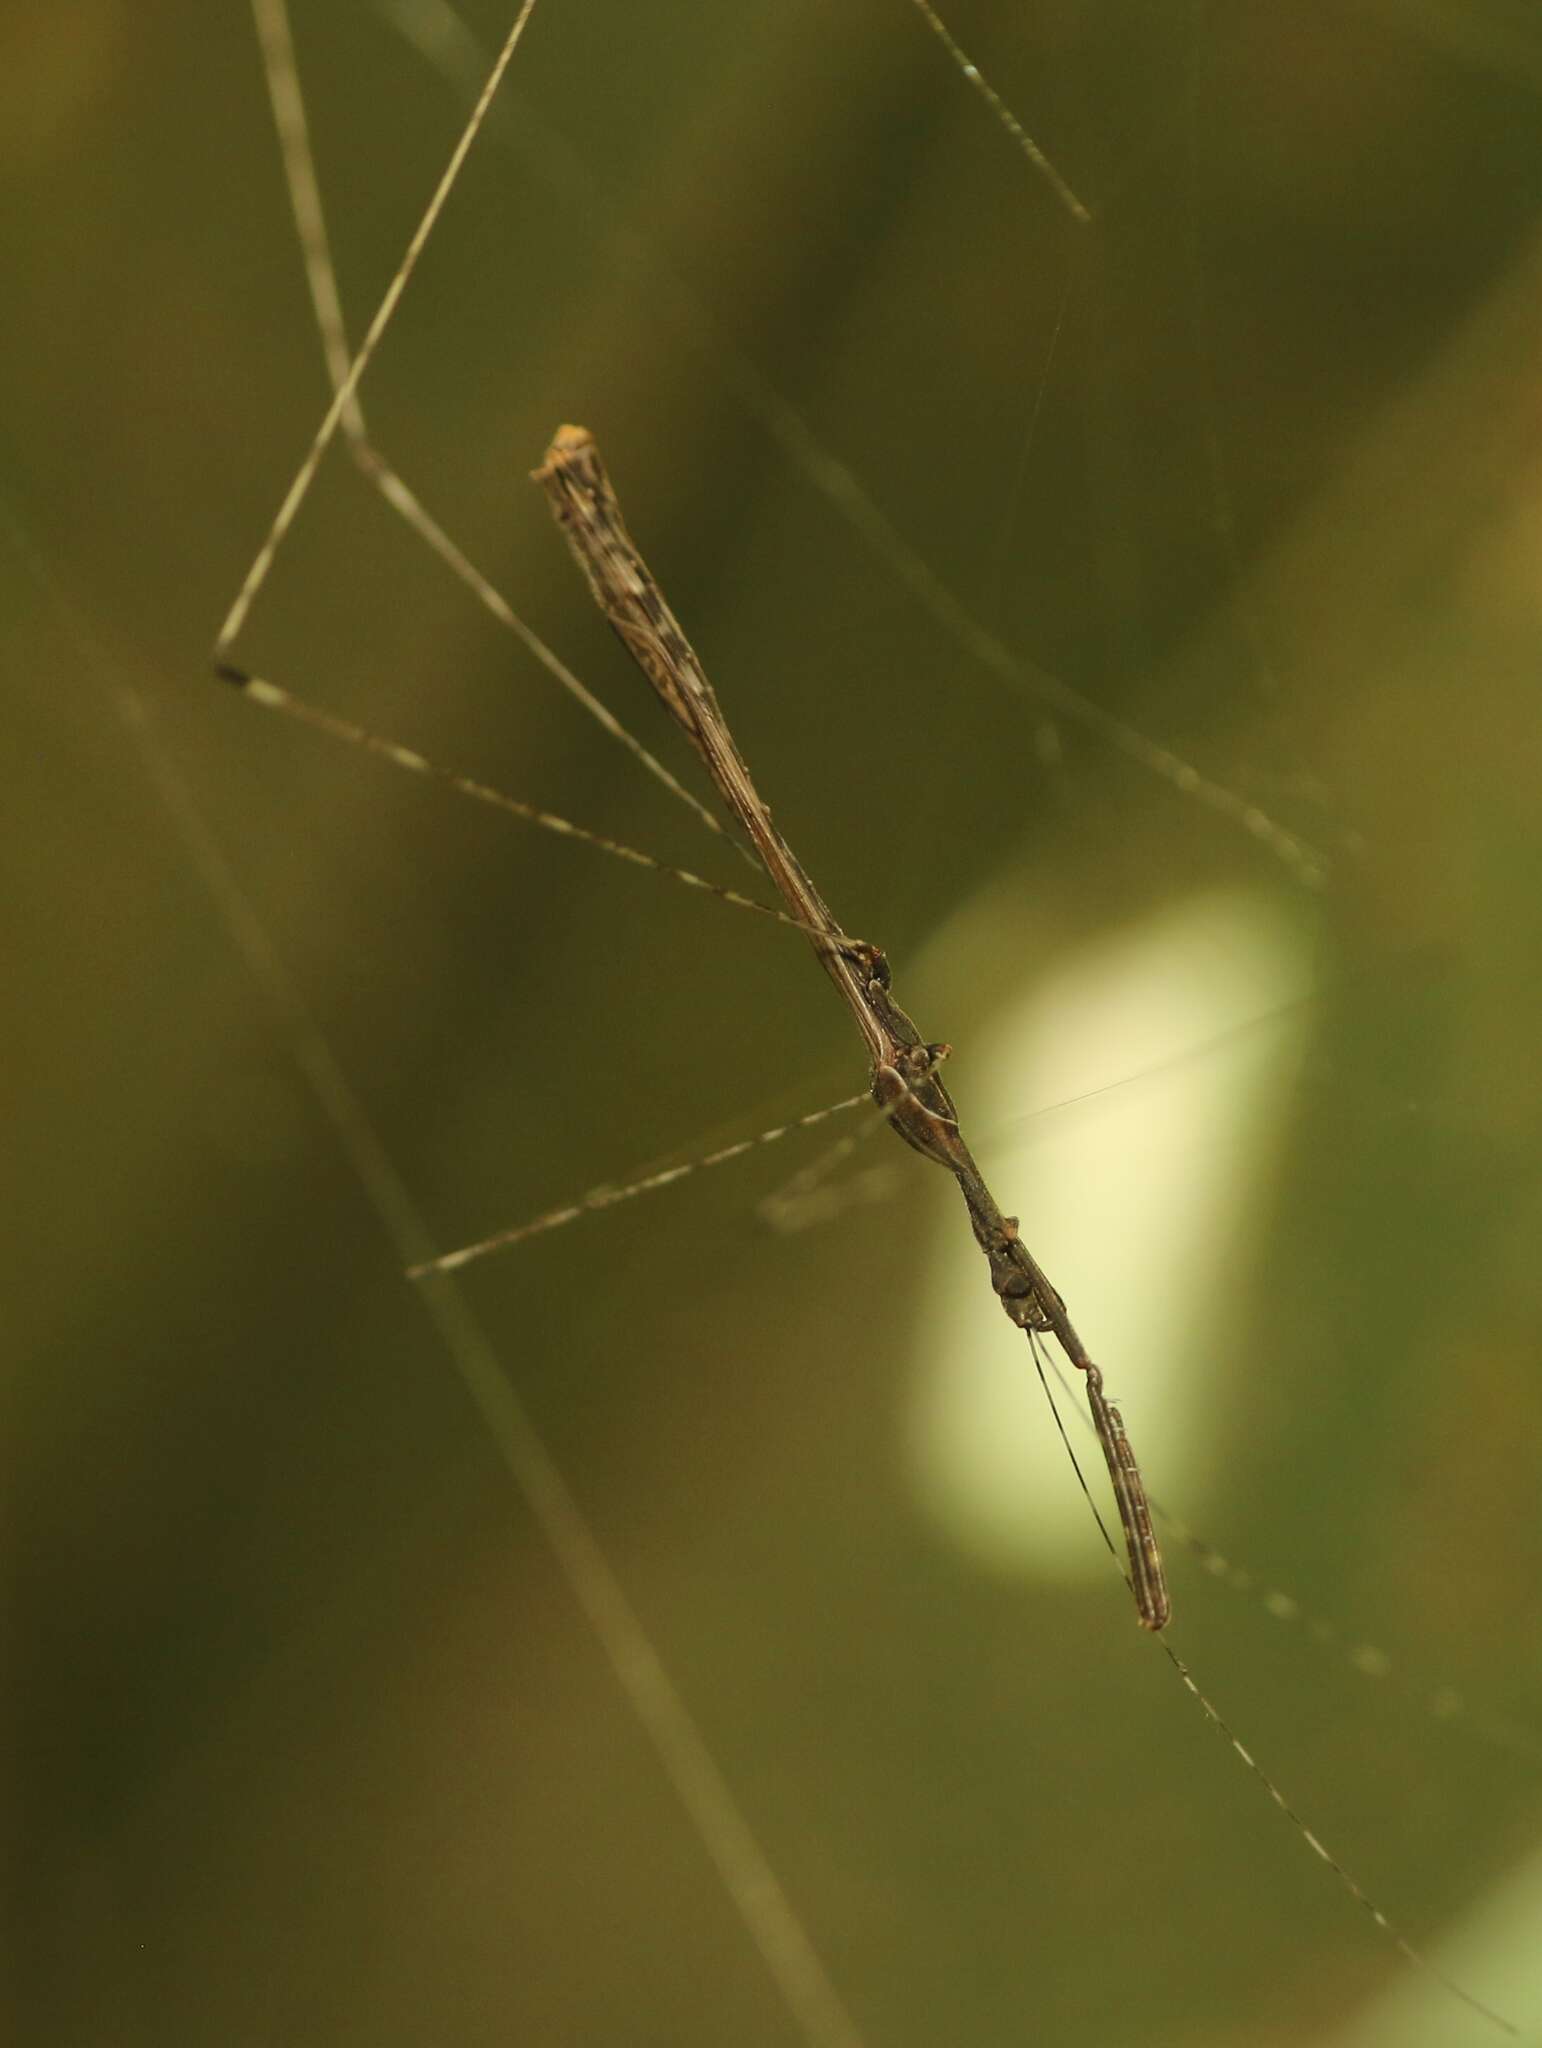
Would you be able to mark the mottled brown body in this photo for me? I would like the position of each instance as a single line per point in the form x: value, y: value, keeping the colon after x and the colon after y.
x: 905, y: 1082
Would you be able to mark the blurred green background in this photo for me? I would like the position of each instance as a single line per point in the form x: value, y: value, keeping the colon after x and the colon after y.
x: 311, y: 1741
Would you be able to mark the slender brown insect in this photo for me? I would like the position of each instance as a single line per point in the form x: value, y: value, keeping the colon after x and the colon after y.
x: 905, y: 1083
x: 707, y: 1799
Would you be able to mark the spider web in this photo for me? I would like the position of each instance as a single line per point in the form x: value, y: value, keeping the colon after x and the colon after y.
x: 520, y: 1027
